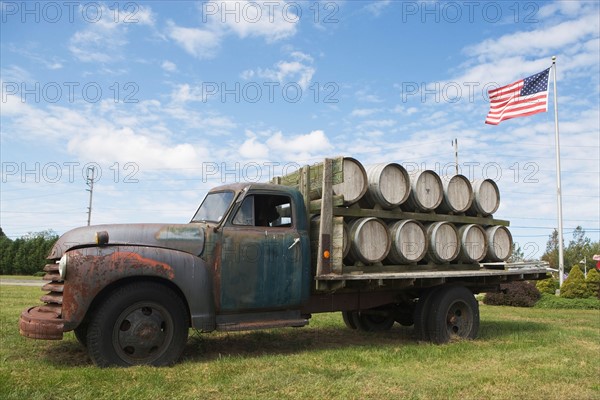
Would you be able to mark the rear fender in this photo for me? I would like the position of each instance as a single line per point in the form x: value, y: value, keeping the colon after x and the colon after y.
x: 93, y: 270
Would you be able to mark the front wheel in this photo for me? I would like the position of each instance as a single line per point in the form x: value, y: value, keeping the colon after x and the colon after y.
x: 141, y: 323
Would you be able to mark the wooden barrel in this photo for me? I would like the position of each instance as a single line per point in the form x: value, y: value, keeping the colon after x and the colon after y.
x: 473, y: 243
x: 409, y: 242
x: 486, y: 197
x: 389, y: 185
x: 355, y: 182
x: 458, y: 194
x: 346, y: 247
x: 369, y: 240
x: 443, y: 243
x: 426, y: 191
x: 499, y: 243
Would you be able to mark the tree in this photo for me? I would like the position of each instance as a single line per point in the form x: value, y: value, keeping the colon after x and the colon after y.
x: 578, y: 249
x: 593, y: 283
x: 27, y: 254
x: 574, y: 287
x: 517, y: 254
x: 547, y: 285
x: 551, y: 254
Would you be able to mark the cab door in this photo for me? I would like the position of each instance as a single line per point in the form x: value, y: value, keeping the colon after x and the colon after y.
x: 261, y: 260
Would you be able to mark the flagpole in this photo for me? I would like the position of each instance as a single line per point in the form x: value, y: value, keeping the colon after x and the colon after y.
x: 561, y: 266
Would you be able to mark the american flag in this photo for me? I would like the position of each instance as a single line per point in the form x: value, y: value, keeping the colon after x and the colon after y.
x: 524, y: 97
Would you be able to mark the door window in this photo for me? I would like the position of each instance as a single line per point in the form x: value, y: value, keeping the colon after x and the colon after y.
x: 265, y: 210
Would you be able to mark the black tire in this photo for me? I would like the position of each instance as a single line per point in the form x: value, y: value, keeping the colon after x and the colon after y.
x: 349, y: 319
x: 454, y: 314
x: 422, y: 310
x: 81, y: 333
x: 373, y: 321
x: 141, y: 323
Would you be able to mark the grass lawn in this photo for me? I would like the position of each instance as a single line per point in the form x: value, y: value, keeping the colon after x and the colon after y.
x: 521, y: 354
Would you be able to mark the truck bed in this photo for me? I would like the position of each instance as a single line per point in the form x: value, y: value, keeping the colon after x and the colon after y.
x: 481, y: 278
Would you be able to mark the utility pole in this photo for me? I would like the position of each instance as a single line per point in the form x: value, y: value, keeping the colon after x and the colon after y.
x: 90, y: 182
x: 584, y: 262
x: 455, y: 144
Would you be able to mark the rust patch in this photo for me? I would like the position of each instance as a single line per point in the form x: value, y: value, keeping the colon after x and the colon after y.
x: 36, y: 323
x: 88, y: 274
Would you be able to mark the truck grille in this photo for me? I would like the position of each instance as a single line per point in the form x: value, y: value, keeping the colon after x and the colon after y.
x: 53, y: 299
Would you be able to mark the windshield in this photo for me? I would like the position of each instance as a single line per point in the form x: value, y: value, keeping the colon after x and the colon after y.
x: 213, y: 207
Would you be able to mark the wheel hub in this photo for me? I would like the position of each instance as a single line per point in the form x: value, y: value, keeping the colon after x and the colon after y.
x: 141, y: 333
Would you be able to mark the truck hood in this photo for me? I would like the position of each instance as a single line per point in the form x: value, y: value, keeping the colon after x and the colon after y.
x: 184, y: 237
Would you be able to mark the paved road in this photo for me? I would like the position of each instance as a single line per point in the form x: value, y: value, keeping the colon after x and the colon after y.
x: 22, y: 282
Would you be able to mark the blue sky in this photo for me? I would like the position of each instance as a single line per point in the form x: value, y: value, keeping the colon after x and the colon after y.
x: 167, y: 99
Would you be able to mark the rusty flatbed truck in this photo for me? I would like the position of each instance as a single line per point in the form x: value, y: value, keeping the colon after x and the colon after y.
x: 131, y: 292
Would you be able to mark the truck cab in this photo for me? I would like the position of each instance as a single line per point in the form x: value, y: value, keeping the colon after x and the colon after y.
x: 258, y: 250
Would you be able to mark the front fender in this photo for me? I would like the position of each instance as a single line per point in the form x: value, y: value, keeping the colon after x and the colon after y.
x: 93, y: 270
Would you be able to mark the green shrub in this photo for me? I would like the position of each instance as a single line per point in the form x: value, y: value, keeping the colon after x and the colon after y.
x: 516, y: 294
x: 574, y: 287
x: 547, y: 285
x: 555, y: 302
x: 593, y: 283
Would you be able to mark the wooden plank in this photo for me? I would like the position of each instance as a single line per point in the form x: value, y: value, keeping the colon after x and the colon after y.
x: 369, y: 269
x: 337, y: 244
x: 432, y: 217
x: 315, y: 176
x: 315, y: 205
x: 520, y: 274
x: 326, y: 225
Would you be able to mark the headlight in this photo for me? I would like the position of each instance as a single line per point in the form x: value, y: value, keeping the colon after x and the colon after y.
x: 62, y: 266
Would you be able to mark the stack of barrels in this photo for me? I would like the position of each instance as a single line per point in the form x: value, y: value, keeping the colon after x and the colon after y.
x: 371, y: 240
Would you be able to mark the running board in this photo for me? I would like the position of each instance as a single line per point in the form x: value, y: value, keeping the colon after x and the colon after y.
x: 255, y: 325
x: 260, y: 320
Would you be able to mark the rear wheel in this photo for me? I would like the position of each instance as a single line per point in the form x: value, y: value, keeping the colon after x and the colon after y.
x: 141, y: 323
x: 453, y: 314
x: 421, y: 312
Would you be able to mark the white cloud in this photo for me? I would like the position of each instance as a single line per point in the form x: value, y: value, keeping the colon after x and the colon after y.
x: 364, y: 96
x: 253, y: 149
x: 364, y: 112
x: 272, y: 21
x: 267, y: 19
x: 378, y: 123
x: 200, y: 43
x: 276, y: 146
x: 103, y: 40
x: 168, y: 66
x: 184, y: 93
x: 298, y: 69
x: 314, y: 142
x: 539, y: 42
x: 400, y: 109
x: 376, y: 7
